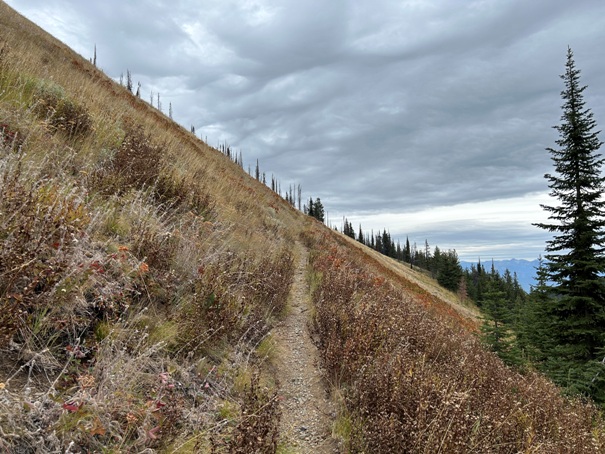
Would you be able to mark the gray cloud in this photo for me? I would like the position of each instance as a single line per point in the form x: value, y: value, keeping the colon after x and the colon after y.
x: 376, y: 107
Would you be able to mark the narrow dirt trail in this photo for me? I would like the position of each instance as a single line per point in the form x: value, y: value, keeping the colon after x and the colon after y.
x: 307, y: 412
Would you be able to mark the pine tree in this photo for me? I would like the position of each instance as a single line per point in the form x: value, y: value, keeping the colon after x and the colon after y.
x: 449, y: 272
x: 533, y: 333
x: 496, y: 330
x: 463, y: 290
x: 318, y: 210
x: 575, y: 257
x: 348, y: 229
x: 407, y: 252
x: 360, y: 236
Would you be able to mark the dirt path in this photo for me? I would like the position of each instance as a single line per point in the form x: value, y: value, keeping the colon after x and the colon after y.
x: 307, y: 412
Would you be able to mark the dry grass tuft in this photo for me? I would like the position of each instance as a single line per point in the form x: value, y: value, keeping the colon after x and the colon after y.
x: 61, y: 113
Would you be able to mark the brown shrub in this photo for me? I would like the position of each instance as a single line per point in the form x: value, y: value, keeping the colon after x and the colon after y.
x: 61, y: 113
x: 236, y: 295
x: 414, y: 384
x: 4, y: 50
x: 257, y: 428
x: 10, y: 136
x: 39, y: 225
x: 182, y: 194
x: 138, y: 160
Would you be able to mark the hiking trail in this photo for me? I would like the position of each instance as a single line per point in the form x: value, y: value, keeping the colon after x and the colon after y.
x: 307, y: 411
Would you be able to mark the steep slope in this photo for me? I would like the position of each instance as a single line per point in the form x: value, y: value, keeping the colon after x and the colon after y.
x: 142, y: 273
x: 141, y: 270
x: 413, y: 376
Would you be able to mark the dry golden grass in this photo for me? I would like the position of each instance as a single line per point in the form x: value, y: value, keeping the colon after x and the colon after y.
x: 133, y: 296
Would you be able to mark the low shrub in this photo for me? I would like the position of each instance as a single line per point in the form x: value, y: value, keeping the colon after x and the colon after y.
x: 10, y: 136
x: 138, y: 161
x: 413, y: 383
x: 184, y: 194
x: 63, y: 114
x: 40, y: 223
x: 236, y: 296
x: 258, y: 427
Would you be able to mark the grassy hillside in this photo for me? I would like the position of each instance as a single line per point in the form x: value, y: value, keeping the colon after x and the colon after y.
x: 141, y: 273
x: 140, y: 269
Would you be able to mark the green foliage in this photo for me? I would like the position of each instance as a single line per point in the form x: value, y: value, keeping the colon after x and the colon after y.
x: 575, y: 260
x: 316, y: 209
x: 448, y: 270
x: 497, y: 329
x: 348, y: 229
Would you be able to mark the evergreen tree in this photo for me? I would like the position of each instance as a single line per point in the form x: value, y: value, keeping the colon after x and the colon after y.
x: 360, y: 236
x: 463, y: 290
x: 318, y: 210
x: 575, y: 257
x: 496, y: 329
x: 533, y: 332
x: 311, y: 208
x: 449, y: 273
x: 386, y: 243
x: 407, y: 252
x: 378, y: 242
x: 128, y: 81
x: 435, y: 262
x: 348, y: 229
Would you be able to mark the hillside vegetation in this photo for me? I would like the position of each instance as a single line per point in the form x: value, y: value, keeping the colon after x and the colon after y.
x: 141, y: 274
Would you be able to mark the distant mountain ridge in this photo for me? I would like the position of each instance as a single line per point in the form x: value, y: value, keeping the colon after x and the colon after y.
x: 525, y: 269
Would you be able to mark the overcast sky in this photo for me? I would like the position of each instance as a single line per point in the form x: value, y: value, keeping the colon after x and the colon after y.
x: 426, y: 117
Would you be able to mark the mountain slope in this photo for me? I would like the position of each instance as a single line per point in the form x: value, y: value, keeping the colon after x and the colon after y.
x: 142, y: 273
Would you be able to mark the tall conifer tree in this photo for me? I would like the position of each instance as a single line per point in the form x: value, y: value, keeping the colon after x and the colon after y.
x: 576, y: 263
